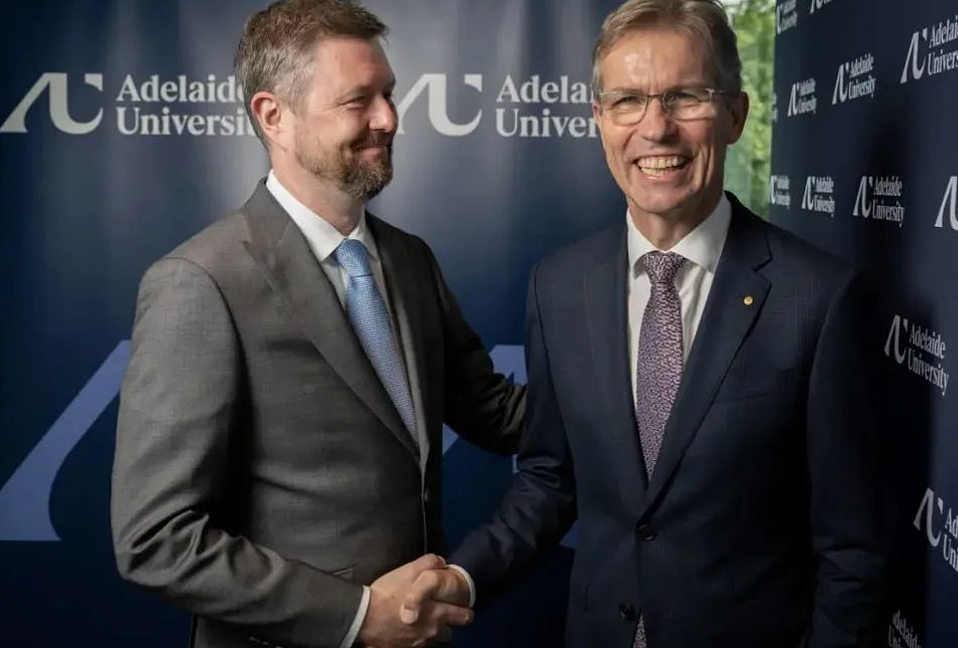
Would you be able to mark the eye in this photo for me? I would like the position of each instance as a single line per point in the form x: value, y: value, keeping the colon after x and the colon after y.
x: 356, y: 103
x: 629, y: 100
x: 685, y: 97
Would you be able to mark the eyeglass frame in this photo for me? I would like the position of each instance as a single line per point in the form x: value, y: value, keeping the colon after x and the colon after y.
x: 660, y: 96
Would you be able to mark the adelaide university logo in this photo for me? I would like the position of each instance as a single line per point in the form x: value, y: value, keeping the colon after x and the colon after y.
x: 940, y: 526
x: 946, y: 213
x: 802, y: 99
x: 434, y: 85
x: 879, y: 198
x: 855, y: 79
x: 919, y: 349
x: 932, y: 50
x: 819, y: 195
x: 55, y: 83
x: 786, y: 16
x: 779, y: 191
x: 901, y: 633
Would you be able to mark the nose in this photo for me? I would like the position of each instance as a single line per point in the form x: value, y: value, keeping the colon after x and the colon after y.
x: 383, y: 115
x: 656, y: 125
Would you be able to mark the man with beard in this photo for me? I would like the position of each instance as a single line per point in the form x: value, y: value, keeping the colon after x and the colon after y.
x: 279, y: 439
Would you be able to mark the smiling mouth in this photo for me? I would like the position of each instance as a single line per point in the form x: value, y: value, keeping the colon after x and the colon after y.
x: 659, y: 165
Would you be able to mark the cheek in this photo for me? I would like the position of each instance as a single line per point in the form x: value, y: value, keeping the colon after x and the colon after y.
x: 616, y: 144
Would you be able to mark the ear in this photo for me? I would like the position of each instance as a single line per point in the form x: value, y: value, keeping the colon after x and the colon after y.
x: 268, y: 111
x: 738, y: 110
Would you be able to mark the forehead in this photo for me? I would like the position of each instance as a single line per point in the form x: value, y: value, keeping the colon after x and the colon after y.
x: 343, y: 63
x: 655, y: 56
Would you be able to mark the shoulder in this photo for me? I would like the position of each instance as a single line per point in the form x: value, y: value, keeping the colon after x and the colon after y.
x: 215, y: 244
x: 391, y: 236
x: 791, y: 259
x: 208, y: 263
x: 576, y: 258
x: 807, y: 266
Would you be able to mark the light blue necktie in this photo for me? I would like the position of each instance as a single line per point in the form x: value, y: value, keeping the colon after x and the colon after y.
x: 369, y: 316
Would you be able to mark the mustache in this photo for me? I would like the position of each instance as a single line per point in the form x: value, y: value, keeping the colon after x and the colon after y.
x: 375, y: 139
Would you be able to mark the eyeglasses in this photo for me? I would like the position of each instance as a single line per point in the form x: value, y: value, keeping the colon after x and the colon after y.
x: 627, y: 108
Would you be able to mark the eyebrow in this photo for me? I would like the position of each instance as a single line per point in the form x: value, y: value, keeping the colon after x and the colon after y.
x: 365, y: 89
x: 630, y: 90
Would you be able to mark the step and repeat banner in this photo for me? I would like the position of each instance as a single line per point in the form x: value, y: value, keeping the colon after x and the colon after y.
x: 122, y: 133
x: 865, y: 164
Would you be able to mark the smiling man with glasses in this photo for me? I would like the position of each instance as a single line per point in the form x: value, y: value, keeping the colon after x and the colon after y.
x: 698, y: 386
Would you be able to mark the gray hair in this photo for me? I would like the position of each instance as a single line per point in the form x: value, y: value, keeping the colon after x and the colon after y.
x: 275, y: 53
x: 704, y: 20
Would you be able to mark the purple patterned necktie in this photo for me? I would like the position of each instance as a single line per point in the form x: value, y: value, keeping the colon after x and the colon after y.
x: 659, y: 365
x: 659, y: 360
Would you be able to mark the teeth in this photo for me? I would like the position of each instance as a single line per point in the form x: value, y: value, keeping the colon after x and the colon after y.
x: 660, y: 162
x: 655, y: 172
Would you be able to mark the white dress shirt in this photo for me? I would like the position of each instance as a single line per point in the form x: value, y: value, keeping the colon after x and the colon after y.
x: 323, y: 239
x: 702, y: 248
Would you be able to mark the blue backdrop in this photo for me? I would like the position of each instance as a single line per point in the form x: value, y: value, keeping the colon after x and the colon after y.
x: 865, y: 164
x: 117, y: 113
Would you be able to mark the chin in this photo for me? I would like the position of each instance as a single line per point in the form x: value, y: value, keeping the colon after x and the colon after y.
x: 658, y: 202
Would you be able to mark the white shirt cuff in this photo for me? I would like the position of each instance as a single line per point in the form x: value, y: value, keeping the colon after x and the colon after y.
x: 472, y: 586
x: 353, y: 631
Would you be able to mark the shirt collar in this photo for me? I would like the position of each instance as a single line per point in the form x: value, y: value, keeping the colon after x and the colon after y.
x: 322, y: 237
x: 702, y: 246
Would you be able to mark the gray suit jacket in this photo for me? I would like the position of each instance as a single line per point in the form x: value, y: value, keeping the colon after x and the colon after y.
x: 262, y: 472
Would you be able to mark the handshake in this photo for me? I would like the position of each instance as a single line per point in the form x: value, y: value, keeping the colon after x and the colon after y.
x: 416, y: 605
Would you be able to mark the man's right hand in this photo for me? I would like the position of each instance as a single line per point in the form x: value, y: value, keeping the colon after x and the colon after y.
x: 384, y: 627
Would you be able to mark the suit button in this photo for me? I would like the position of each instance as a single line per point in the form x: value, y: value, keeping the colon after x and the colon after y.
x: 645, y: 533
x: 626, y: 611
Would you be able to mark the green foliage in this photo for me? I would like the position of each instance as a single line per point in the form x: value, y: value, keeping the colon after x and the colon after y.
x: 748, y: 161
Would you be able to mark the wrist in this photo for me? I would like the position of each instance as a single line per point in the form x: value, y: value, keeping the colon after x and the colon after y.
x: 469, y: 587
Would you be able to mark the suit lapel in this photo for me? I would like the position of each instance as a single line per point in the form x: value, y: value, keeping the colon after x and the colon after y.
x: 405, y: 303
x: 295, y: 274
x: 725, y: 323
x: 606, y: 308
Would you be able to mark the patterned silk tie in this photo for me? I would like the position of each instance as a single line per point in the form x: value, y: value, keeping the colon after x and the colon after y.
x: 369, y: 316
x: 659, y: 365
x: 659, y: 360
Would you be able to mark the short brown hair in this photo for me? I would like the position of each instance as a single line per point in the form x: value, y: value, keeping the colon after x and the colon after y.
x: 705, y: 20
x: 275, y: 53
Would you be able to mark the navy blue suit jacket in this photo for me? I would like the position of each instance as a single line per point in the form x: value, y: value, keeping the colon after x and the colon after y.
x: 761, y: 525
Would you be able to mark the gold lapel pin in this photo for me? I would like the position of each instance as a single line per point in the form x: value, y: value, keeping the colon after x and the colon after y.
x: 748, y: 300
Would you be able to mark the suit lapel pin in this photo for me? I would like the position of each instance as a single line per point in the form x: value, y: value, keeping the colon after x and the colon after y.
x: 748, y: 301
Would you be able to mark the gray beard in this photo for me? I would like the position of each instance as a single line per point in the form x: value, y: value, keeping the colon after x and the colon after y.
x: 365, y: 181
x: 357, y: 179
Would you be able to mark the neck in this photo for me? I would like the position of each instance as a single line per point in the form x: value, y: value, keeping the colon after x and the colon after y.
x: 321, y: 196
x: 665, y: 230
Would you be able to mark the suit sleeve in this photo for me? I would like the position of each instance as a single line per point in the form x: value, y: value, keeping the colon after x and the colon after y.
x: 847, y: 507
x: 481, y: 405
x: 539, y: 507
x: 181, y: 408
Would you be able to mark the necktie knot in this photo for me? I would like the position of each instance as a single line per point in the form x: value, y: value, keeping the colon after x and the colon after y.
x: 353, y: 256
x: 662, y: 266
